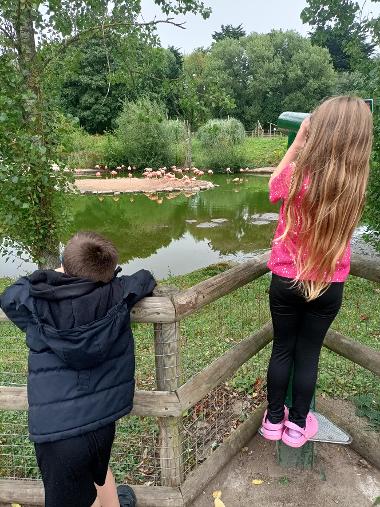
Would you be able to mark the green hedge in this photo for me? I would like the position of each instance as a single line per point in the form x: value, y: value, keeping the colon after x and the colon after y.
x: 372, y: 213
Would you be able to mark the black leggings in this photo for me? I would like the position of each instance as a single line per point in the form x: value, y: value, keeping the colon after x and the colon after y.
x: 299, y: 330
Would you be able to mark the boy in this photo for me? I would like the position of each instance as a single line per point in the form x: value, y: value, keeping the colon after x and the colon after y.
x: 81, y: 367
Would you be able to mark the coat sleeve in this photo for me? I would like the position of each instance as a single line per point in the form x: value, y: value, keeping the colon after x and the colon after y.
x: 138, y: 286
x: 16, y: 303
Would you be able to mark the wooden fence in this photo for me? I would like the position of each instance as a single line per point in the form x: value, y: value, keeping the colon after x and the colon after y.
x: 165, y: 310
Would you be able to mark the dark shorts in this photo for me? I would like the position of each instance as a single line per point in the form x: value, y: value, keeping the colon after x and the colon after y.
x: 70, y: 467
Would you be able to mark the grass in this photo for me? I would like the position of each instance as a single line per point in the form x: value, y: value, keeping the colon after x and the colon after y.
x: 204, y: 337
x: 253, y: 152
x: 263, y: 151
x: 90, y: 150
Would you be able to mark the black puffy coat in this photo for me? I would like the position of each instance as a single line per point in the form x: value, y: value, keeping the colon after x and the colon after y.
x: 81, y: 359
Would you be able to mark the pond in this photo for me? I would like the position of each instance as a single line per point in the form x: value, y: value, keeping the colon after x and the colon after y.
x: 176, y: 234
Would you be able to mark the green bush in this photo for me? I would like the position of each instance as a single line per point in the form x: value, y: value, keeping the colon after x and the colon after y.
x: 372, y: 214
x: 78, y: 149
x: 113, y: 150
x: 220, y: 142
x: 142, y: 134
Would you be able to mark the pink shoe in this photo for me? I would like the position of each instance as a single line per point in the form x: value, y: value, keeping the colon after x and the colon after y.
x: 311, y: 429
x: 272, y: 431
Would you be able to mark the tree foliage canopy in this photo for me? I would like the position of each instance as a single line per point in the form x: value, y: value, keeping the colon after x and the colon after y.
x: 229, y: 32
x: 339, y: 25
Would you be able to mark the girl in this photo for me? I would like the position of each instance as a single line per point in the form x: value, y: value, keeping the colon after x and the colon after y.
x: 321, y: 182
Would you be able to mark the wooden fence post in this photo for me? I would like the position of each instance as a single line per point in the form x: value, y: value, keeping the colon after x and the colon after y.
x: 168, y: 371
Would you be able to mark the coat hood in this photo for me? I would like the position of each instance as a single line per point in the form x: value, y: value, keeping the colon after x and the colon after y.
x: 78, y: 319
x: 54, y: 286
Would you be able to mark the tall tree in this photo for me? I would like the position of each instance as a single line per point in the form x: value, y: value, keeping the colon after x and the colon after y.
x: 99, y: 74
x: 341, y: 27
x: 263, y: 75
x: 89, y: 90
x: 229, y: 32
x: 29, y: 146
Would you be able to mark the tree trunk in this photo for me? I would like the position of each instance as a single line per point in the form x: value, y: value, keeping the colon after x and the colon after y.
x: 33, y: 115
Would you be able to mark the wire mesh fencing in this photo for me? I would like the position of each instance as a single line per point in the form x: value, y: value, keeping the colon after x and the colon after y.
x: 139, y: 454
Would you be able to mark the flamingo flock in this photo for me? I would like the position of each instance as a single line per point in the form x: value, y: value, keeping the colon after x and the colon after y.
x: 174, y: 171
x: 185, y: 173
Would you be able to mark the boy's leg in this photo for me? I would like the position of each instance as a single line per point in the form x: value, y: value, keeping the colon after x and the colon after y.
x: 65, y: 469
x: 107, y: 494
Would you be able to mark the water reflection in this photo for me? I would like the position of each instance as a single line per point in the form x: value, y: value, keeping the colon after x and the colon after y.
x: 177, y: 233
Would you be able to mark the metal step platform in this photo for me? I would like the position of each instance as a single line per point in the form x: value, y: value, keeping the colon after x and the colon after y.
x: 328, y: 432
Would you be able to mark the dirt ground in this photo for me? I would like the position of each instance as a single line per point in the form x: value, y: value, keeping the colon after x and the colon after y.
x: 132, y: 185
x: 340, y: 477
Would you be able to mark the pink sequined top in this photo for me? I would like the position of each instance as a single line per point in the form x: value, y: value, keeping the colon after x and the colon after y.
x: 281, y: 261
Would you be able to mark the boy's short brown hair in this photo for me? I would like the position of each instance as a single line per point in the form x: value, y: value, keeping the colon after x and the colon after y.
x: 89, y: 255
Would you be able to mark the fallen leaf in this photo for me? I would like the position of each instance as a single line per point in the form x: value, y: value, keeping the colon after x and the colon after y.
x: 257, y: 482
x: 218, y: 502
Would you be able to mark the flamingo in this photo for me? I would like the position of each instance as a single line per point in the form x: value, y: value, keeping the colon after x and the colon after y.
x: 210, y: 171
x: 129, y: 168
x: 113, y: 173
x: 130, y: 175
x: 98, y: 174
x: 228, y: 170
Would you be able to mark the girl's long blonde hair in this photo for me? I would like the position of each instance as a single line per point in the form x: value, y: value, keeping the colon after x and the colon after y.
x: 335, y: 164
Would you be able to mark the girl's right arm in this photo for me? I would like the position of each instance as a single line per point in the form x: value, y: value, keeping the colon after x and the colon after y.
x: 292, y: 153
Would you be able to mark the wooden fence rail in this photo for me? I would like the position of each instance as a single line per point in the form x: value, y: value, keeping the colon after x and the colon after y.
x: 168, y: 403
